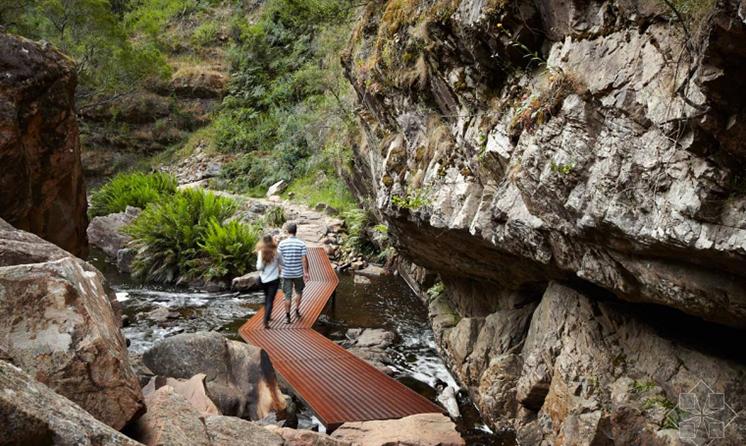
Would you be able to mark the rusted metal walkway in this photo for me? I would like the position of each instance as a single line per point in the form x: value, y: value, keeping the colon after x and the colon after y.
x: 337, y: 385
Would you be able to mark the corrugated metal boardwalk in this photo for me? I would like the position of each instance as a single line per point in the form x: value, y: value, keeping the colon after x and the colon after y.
x: 335, y: 384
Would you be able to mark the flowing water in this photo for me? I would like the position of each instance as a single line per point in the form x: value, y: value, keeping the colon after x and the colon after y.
x: 385, y: 303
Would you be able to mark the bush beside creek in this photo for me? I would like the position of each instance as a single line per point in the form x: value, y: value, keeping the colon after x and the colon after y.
x: 186, y: 235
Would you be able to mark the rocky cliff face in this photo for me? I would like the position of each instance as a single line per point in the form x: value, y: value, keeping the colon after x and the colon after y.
x: 566, y: 170
x: 41, y: 187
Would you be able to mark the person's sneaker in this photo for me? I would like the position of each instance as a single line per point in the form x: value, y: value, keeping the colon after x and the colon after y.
x: 266, y: 325
x: 287, y: 318
x: 297, y: 313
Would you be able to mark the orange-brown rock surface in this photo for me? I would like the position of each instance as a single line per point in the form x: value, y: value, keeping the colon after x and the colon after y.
x: 41, y: 186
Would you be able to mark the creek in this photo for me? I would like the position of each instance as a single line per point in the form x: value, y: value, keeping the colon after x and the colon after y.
x: 386, y: 303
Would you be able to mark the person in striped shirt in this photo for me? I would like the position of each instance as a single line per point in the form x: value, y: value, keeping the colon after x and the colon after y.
x: 294, y: 272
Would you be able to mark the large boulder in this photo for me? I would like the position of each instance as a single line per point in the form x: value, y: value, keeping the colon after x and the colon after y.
x: 171, y: 420
x: 231, y: 431
x: 305, y: 437
x: 60, y: 327
x: 430, y: 429
x: 240, y: 378
x: 41, y: 187
x: 33, y: 414
x: 106, y: 233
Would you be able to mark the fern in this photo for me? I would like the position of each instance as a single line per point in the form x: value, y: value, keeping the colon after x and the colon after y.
x: 131, y: 189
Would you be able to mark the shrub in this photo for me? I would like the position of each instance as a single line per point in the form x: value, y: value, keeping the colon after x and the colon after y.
x: 205, y: 34
x: 169, y: 236
x: 356, y: 221
x: 131, y: 189
x: 274, y: 217
x: 229, y: 249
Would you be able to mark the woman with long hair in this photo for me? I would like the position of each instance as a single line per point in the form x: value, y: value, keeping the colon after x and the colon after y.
x: 268, y: 265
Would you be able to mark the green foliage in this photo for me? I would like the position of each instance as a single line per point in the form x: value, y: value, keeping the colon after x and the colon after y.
x: 657, y: 401
x: 229, y: 249
x: 131, y: 189
x: 436, y: 290
x: 562, y: 168
x: 170, y: 235
x: 356, y: 221
x: 411, y: 201
x: 643, y: 385
x: 288, y: 99
x: 92, y: 33
x: 274, y: 217
x: 206, y: 34
x: 381, y: 228
x: 323, y: 188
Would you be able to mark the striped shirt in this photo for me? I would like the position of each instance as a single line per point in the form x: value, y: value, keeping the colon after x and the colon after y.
x: 292, y: 250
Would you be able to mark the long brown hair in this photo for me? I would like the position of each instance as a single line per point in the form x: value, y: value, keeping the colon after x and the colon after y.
x: 267, y: 248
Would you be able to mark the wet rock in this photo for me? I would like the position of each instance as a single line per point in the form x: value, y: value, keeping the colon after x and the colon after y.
x: 373, y: 337
x: 447, y: 398
x: 161, y: 314
x: 125, y: 257
x: 370, y: 345
x: 414, y: 430
x: 60, y: 327
x: 247, y: 282
x: 303, y: 437
x: 33, y: 414
x: 277, y: 188
x: 231, y: 431
x: 240, y: 377
x: 170, y: 420
x: 361, y: 280
x: 44, y: 191
x: 106, y: 233
x: 371, y: 271
x: 358, y: 265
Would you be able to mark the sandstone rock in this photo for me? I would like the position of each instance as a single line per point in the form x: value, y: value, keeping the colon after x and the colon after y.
x: 240, y: 379
x: 232, y: 431
x: 302, y: 437
x: 361, y: 280
x: 20, y: 247
x: 198, y: 82
x: 414, y: 430
x: 373, y: 337
x: 247, y: 282
x: 192, y: 389
x: 161, y: 314
x: 570, y: 176
x: 170, y: 421
x: 33, y: 414
x: 372, y: 271
x: 106, y: 233
x: 575, y: 350
x: 44, y: 191
x: 61, y: 328
x: 277, y: 188
x: 447, y: 398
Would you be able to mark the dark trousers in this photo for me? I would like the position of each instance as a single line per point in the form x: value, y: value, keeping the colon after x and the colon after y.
x: 270, y: 291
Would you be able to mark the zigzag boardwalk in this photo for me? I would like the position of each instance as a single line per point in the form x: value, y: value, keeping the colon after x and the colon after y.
x: 337, y: 385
